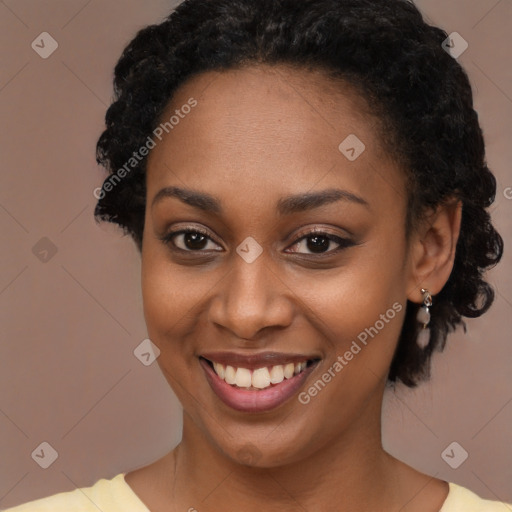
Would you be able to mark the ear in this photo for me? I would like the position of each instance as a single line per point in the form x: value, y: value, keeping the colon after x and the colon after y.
x: 432, y: 250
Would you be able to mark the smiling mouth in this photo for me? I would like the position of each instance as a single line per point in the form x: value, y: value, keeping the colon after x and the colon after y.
x: 257, y: 379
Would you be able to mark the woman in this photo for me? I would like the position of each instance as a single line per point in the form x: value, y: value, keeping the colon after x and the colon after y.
x: 307, y: 186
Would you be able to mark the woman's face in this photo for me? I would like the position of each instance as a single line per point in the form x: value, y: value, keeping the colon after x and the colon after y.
x: 295, y: 253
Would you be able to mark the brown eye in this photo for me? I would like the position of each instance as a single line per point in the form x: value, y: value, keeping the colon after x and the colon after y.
x: 317, y: 243
x: 194, y: 241
x: 191, y: 241
x: 320, y: 243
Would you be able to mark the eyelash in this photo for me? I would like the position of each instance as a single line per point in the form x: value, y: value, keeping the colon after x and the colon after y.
x: 343, y: 243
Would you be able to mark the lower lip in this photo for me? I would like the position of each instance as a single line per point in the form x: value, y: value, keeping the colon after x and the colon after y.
x: 251, y: 400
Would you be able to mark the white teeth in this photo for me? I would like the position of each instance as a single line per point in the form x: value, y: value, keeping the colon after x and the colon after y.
x: 229, y: 376
x: 219, y: 370
x: 260, y: 378
x: 277, y: 374
x: 289, y: 370
x: 243, y: 378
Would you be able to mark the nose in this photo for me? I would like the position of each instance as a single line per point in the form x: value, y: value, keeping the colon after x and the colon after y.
x: 250, y: 299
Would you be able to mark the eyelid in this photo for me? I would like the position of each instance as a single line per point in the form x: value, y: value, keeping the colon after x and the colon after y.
x: 316, y: 231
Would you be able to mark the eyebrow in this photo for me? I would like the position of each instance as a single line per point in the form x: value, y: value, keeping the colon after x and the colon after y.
x: 285, y: 205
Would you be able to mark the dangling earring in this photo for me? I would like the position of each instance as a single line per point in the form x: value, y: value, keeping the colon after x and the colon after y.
x: 423, y: 317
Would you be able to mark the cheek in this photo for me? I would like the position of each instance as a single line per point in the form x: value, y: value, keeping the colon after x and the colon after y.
x: 364, y: 288
x: 363, y: 302
x: 166, y: 296
x: 169, y: 301
x: 362, y: 328
x: 173, y: 298
x: 361, y: 313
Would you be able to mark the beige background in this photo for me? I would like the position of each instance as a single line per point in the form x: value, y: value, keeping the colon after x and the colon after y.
x: 69, y: 326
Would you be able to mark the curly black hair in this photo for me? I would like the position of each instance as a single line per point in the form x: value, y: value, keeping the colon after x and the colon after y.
x: 397, y: 63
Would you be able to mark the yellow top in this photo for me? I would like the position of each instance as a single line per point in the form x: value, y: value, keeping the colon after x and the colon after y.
x: 116, y: 495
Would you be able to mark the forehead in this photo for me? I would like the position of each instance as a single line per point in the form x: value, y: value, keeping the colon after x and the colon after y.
x: 271, y: 128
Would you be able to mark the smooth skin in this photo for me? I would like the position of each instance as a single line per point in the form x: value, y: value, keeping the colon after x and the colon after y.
x: 258, y: 135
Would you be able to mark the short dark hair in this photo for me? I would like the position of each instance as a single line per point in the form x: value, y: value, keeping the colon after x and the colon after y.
x: 391, y: 56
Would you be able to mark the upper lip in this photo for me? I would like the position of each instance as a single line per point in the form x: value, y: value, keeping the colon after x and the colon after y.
x: 254, y: 361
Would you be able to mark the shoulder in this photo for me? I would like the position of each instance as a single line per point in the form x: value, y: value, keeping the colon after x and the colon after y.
x: 113, y: 495
x: 460, y: 499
